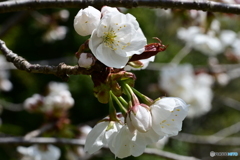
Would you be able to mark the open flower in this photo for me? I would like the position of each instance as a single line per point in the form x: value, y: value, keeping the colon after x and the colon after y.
x: 86, y: 21
x: 100, y: 135
x: 168, y: 114
x: 117, y: 37
x: 124, y: 144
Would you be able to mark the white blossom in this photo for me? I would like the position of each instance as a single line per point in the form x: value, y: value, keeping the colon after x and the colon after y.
x: 100, y: 135
x: 108, y: 10
x: 207, y: 43
x: 58, y: 97
x: 5, y: 83
x: 168, y: 114
x: 227, y: 37
x: 116, y: 39
x: 40, y: 152
x: 141, y: 120
x: 58, y: 33
x: 124, y: 144
x: 86, y: 20
x: 180, y: 81
x: 33, y: 103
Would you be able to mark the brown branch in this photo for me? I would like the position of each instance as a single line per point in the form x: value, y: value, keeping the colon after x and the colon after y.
x: 62, y: 70
x: 12, y: 6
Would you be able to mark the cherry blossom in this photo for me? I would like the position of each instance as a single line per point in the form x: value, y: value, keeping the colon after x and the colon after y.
x: 168, y: 114
x: 117, y: 37
x: 100, y: 135
x: 86, y: 20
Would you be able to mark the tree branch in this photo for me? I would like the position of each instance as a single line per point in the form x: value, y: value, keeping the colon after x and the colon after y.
x: 62, y: 70
x: 78, y: 142
x: 214, y: 140
x: 12, y: 6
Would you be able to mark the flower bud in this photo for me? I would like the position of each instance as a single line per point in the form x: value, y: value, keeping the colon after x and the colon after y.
x: 86, y: 60
x: 86, y: 21
x: 140, y: 120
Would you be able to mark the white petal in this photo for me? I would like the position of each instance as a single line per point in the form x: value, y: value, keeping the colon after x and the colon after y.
x: 168, y: 116
x: 86, y: 21
x: 123, y: 143
x: 142, y: 121
x: 109, y: 57
x: 94, y: 140
x: 148, y: 138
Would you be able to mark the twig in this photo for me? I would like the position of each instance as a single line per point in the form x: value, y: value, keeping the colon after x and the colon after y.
x: 11, y: 106
x: 78, y: 142
x: 229, y: 141
x: 181, y: 54
x: 62, y: 70
x: 157, y: 152
x: 39, y: 131
x: 12, y: 6
x: 15, y: 19
x: 230, y: 102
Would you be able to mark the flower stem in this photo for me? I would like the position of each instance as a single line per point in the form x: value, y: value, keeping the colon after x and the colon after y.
x: 122, y: 108
x: 143, y: 97
x: 132, y: 95
x: 112, y: 110
x: 123, y: 101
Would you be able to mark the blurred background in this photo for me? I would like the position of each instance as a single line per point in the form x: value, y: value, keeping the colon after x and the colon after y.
x: 200, y: 65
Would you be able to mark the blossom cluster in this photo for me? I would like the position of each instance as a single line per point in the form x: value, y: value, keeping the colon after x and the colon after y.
x: 115, y: 36
x: 39, y: 152
x: 193, y: 88
x: 212, y: 42
x: 58, y: 98
x: 141, y: 126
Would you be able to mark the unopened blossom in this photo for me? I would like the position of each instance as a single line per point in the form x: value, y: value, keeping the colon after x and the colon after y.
x: 168, y: 114
x: 86, y: 20
x: 140, y: 119
x: 85, y: 60
x: 100, y: 135
x: 117, y: 37
x: 40, y: 152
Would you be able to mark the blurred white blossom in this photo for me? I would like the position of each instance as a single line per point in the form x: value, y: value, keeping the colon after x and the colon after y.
x: 180, y: 81
x: 39, y: 152
x: 5, y: 83
x: 55, y: 34
x: 58, y: 97
x: 208, y: 43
